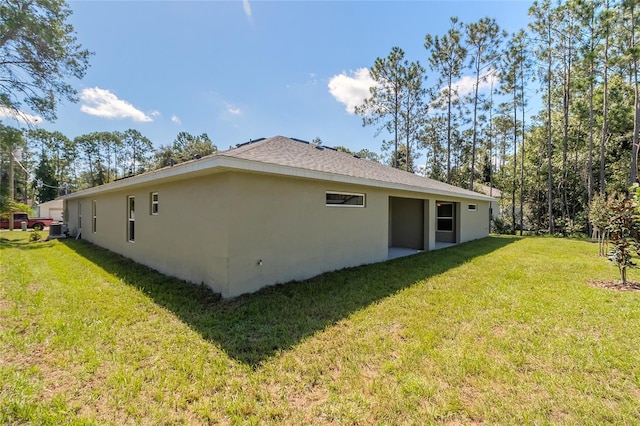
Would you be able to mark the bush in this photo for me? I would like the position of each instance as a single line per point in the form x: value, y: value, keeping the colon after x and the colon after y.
x: 35, y: 235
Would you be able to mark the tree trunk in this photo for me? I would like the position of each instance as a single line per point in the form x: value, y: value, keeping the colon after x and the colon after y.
x: 12, y: 191
x: 522, y: 150
x: 449, y: 130
x: 475, y: 126
x: 515, y: 156
x: 549, y: 142
x: 605, y: 106
x: 633, y: 175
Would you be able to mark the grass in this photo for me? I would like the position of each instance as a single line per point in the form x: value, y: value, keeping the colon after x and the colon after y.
x: 502, y: 330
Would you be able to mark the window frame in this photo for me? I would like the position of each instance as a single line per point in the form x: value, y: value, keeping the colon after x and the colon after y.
x: 356, y: 194
x: 131, y: 218
x: 472, y: 209
x: 94, y: 215
x: 443, y: 218
x: 154, y: 203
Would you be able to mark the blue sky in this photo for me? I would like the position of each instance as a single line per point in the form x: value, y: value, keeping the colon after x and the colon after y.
x: 241, y: 70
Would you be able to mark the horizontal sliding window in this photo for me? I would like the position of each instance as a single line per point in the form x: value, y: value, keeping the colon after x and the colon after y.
x: 345, y: 199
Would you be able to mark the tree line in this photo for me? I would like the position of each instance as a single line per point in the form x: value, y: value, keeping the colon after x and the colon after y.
x: 64, y: 165
x: 549, y: 158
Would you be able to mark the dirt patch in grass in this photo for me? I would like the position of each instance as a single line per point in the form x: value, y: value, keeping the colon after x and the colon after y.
x: 616, y: 285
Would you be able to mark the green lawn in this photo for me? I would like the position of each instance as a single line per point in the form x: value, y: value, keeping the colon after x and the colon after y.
x: 502, y: 330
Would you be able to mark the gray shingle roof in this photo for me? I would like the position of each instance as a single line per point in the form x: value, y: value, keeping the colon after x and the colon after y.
x: 283, y: 151
x: 288, y: 156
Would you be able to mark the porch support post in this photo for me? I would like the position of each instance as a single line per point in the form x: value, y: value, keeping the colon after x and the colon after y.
x: 429, y: 224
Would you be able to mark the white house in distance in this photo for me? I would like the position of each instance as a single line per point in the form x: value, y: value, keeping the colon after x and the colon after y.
x: 270, y: 211
x: 494, y: 193
x: 52, y: 209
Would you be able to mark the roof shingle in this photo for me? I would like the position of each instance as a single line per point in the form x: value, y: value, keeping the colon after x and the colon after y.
x: 283, y: 151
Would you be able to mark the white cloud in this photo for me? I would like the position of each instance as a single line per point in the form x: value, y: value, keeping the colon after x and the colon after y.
x: 247, y: 8
x: 19, y: 116
x: 233, y: 110
x: 353, y: 89
x: 176, y: 119
x: 466, y: 85
x: 155, y: 113
x: 103, y: 103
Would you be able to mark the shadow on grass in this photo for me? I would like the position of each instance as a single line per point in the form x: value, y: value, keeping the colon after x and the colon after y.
x: 23, y: 244
x: 253, y: 327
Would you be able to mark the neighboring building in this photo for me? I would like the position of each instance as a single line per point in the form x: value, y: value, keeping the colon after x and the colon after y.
x: 492, y: 192
x: 52, y: 209
x: 271, y: 211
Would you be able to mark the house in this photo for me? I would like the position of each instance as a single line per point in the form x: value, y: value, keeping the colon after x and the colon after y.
x: 492, y: 192
x: 270, y: 211
x: 52, y: 209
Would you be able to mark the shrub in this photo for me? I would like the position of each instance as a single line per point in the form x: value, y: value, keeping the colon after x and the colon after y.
x: 35, y: 235
x: 624, y: 232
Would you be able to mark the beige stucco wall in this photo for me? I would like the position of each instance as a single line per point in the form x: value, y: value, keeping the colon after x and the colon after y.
x: 238, y: 232
x: 285, y: 223
x: 473, y: 224
x: 188, y: 239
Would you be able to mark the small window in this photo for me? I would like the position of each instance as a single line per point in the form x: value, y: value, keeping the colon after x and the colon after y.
x: 94, y: 214
x: 154, y: 203
x: 345, y: 199
x: 131, y: 219
x: 444, y: 221
x: 472, y: 207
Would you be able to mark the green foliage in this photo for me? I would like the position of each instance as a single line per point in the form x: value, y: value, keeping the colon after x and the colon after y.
x: 382, y: 108
x: 35, y: 235
x: 45, y: 182
x: 39, y: 52
x: 624, y: 234
x: 184, y: 148
x: 7, y: 206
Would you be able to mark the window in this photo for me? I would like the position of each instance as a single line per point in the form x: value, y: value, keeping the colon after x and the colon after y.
x: 94, y: 223
x: 345, y: 199
x: 131, y: 218
x: 472, y: 207
x: 154, y: 203
x: 445, y: 217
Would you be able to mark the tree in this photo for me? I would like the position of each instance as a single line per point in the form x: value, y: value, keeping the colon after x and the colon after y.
x: 58, y: 148
x: 543, y: 26
x: 45, y: 183
x: 587, y: 11
x: 413, y: 109
x: 631, y: 16
x: 184, y: 148
x: 10, y: 140
x: 89, y: 146
x: 483, y: 40
x: 38, y: 52
x: 137, y: 152
x: 382, y: 108
x: 599, y: 216
x: 624, y: 234
x: 363, y: 153
x: 446, y: 59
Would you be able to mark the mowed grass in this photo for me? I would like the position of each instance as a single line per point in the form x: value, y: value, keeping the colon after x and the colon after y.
x: 502, y: 330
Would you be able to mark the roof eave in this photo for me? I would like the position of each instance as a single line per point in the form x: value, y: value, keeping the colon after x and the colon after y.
x: 223, y: 162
